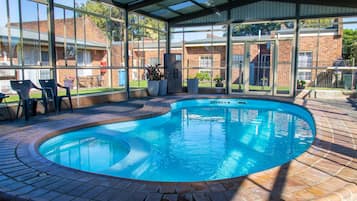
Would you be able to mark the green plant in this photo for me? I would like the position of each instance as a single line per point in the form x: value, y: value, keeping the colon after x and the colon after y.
x: 203, y: 76
x: 153, y: 72
x: 218, y: 81
x: 300, y: 84
x: 192, y: 77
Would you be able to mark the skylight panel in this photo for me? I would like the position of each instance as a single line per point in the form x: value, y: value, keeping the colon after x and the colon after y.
x: 181, y: 6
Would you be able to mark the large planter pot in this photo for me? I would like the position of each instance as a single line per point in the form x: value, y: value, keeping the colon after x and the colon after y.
x: 192, y: 86
x: 163, y: 88
x: 153, y: 87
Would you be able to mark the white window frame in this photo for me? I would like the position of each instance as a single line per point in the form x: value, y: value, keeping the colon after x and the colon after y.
x: 205, y: 63
x: 304, y: 61
x: 304, y: 77
x: 86, y: 61
x: 237, y: 60
x: 85, y: 56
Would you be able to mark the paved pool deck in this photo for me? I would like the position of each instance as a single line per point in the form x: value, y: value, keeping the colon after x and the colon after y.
x: 326, y: 171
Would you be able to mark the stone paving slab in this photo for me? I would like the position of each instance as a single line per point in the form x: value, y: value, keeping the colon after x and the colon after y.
x: 326, y: 171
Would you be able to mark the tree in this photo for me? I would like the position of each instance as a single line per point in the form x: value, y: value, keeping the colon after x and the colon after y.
x: 136, y: 32
x: 112, y: 29
x: 320, y: 23
x: 255, y: 29
x: 349, y: 42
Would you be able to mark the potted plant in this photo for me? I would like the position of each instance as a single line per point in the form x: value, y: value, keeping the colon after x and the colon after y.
x: 153, y: 77
x: 192, y: 85
x: 218, y: 81
x: 301, y: 84
x: 162, y: 84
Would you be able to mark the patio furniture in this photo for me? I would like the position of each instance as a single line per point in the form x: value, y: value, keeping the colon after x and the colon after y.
x: 51, y: 89
x: 3, y: 100
x: 23, y: 88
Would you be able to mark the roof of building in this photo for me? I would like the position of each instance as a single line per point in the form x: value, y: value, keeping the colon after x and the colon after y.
x: 30, y: 36
x: 216, y: 11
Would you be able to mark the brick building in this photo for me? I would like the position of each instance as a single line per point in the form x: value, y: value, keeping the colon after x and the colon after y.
x: 318, y: 49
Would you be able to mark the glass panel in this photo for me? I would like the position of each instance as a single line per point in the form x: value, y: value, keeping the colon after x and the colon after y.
x: 309, y: 52
x: 118, y: 79
x: 117, y: 46
x: 36, y: 74
x: 67, y: 77
x: 261, y: 66
x: 137, y: 78
x: 5, y: 76
x: 34, y: 26
x: 15, y: 48
x: 117, y: 13
x: 4, y: 42
x: 69, y: 3
x: 237, y: 64
x: 151, y: 48
x: 284, y: 63
x: 162, y: 39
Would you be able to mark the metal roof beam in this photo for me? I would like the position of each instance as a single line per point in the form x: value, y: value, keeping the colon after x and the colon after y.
x: 337, y: 3
x: 115, y: 3
x: 198, y: 4
x: 211, y: 10
x: 136, y: 6
x: 151, y: 15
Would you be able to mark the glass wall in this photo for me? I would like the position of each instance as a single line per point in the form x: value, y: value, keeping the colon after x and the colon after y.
x: 326, y: 57
x: 89, y: 46
x: 204, y: 53
x: 262, y: 57
x: 23, y: 44
x: 147, y: 46
x: 89, y: 43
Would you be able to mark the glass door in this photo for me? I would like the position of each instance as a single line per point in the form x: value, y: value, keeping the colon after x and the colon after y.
x: 259, y: 67
x: 237, y: 67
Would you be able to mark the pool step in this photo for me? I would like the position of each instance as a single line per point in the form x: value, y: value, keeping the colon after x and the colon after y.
x: 139, y: 152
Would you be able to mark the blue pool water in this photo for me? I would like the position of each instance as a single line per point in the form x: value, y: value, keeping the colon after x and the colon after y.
x: 199, y: 140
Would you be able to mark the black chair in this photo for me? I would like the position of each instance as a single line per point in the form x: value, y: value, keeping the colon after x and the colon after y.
x: 50, y: 87
x: 23, y: 88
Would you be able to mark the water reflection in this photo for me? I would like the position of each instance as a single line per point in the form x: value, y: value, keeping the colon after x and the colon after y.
x: 188, y: 144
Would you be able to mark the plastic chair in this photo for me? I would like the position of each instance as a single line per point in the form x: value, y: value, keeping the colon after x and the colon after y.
x: 23, y: 88
x: 50, y: 87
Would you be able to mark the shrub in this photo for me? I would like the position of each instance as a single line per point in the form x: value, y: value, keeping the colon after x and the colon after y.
x: 203, y: 76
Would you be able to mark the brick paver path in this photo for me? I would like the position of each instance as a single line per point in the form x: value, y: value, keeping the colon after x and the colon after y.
x: 326, y: 171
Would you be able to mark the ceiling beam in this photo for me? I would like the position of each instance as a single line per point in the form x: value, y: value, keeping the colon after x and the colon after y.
x: 211, y: 10
x: 337, y: 3
x: 234, y: 4
x: 151, y: 15
x: 115, y: 3
x: 136, y: 6
x: 198, y: 4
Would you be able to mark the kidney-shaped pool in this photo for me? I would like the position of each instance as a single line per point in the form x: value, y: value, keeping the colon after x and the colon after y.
x: 198, y: 140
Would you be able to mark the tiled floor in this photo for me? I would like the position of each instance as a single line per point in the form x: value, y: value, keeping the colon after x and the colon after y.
x: 327, y: 171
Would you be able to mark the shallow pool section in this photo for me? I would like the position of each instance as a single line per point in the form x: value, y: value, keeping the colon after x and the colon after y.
x: 199, y: 140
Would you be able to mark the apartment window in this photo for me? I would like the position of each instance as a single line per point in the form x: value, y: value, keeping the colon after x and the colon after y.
x: 304, y: 75
x: 237, y: 61
x: 44, y: 57
x: 206, y: 61
x: 45, y: 74
x: 84, y: 58
x: 153, y: 61
x: 305, y: 60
